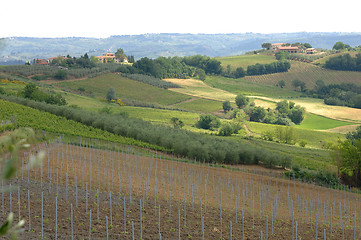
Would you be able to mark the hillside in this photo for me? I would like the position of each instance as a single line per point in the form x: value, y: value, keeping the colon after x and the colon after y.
x: 124, y: 88
x: 20, y: 49
x: 245, y: 60
x: 307, y: 73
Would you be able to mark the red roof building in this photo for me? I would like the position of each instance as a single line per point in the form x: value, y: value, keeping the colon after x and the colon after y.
x: 41, y: 62
x: 289, y: 49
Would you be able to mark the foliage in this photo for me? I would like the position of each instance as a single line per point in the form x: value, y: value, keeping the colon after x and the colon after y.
x: 348, y: 158
x: 31, y: 91
x: 321, y: 177
x: 303, y: 143
x: 209, y: 65
x: 241, y: 100
x: 281, y: 56
x: 208, y: 121
x: 286, y: 134
x: 275, y: 67
x: 355, y: 135
x: 338, y: 46
x: 294, y: 112
x: 110, y: 94
x: 344, y: 94
x: 61, y: 75
x: 344, y: 62
x: 10, y: 145
x: 226, y: 105
x: 176, y: 122
x: 162, y: 67
x: 296, y: 83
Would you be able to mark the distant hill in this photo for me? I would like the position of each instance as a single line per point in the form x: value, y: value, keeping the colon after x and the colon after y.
x: 21, y: 49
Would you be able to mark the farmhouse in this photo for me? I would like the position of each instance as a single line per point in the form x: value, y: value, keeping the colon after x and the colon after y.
x: 288, y: 49
x: 41, y: 62
x: 275, y: 46
x: 311, y: 50
x: 110, y: 57
x: 56, y: 58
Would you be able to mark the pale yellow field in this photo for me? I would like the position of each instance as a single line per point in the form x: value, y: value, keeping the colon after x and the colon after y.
x: 343, y: 129
x: 198, y: 88
x: 317, y: 106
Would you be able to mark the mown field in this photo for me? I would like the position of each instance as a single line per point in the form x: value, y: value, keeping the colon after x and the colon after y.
x: 125, y: 88
x: 245, y: 60
x: 242, y: 86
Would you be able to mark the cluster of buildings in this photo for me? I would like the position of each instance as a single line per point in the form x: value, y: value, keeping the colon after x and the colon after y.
x: 282, y: 47
x: 110, y: 57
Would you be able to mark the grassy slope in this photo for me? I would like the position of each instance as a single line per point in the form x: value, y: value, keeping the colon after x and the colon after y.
x: 245, y: 60
x: 240, y: 85
x: 125, y: 88
x: 307, y: 73
x: 312, y: 137
x: 316, y: 122
x: 29, y: 117
x: 200, y: 105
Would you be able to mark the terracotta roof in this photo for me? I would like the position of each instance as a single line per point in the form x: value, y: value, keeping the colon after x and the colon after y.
x: 288, y: 48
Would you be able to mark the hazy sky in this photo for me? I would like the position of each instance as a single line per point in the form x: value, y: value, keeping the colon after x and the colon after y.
x: 103, y: 18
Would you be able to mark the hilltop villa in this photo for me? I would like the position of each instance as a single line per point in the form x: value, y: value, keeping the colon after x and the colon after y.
x: 110, y: 57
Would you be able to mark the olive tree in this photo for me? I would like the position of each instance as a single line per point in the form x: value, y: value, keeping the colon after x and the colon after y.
x: 10, y: 145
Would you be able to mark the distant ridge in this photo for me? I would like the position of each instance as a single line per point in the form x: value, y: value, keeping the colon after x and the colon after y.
x: 21, y: 49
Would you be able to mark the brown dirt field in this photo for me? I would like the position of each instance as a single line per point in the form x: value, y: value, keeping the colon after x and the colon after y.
x: 173, y: 186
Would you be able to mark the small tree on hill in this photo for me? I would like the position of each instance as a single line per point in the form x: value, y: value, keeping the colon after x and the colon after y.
x: 110, y: 94
x: 266, y: 45
x: 226, y: 106
x: 208, y: 122
x: 241, y: 100
x: 177, y: 123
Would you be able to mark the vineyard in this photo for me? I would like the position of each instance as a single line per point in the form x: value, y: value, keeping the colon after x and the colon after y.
x: 90, y: 189
x: 125, y: 88
x: 307, y: 73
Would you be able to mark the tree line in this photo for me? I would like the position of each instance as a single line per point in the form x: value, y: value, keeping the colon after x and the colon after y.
x: 274, y: 67
x: 344, y: 62
x: 344, y: 94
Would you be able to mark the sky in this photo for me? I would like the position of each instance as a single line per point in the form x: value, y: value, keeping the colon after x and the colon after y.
x: 103, y: 18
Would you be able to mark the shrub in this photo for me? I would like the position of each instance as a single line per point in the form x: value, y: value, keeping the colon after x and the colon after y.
x: 303, y: 143
x: 208, y: 122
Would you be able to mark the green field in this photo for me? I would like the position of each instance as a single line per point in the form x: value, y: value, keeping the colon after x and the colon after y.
x: 313, y: 138
x: 240, y: 85
x: 200, y: 105
x: 316, y: 122
x: 245, y: 60
x: 159, y: 115
x: 309, y: 158
x: 125, y: 88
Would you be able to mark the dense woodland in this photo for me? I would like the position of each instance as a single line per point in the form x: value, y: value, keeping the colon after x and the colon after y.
x: 343, y: 94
